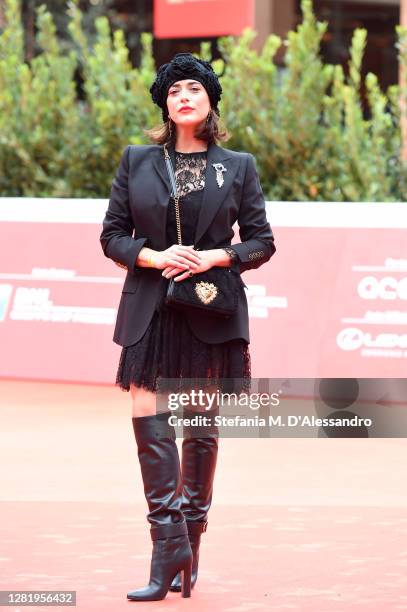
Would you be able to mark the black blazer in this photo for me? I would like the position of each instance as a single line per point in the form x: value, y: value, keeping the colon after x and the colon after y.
x: 136, y: 217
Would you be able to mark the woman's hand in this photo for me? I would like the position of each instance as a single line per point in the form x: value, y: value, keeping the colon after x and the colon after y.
x: 207, y: 261
x: 180, y: 257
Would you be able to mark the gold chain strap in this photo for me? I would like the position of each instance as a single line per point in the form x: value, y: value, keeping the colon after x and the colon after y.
x: 176, y: 202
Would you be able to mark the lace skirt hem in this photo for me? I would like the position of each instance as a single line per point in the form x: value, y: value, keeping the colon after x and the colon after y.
x: 169, y: 357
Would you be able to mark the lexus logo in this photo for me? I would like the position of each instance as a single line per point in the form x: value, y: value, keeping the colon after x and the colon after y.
x: 352, y: 338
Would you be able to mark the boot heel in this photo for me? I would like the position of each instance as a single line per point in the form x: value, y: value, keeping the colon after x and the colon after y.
x: 186, y: 574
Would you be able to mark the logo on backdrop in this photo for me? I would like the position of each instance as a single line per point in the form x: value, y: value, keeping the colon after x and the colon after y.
x: 351, y: 338
x: 379, y: 291
x: 387, y: 288
x: 259, y: 303
x: 35, y: 304
x: 5, y: 294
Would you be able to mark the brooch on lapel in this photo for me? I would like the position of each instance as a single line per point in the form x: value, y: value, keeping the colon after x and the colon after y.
x: 219, y: 176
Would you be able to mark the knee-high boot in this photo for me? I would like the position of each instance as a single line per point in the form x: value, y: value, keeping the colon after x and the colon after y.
x: 160, y: 469
x: 199, y: 457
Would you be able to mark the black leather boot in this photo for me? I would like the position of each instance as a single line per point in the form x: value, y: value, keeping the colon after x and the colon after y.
x: 199, y: 457
x: 160, y: 469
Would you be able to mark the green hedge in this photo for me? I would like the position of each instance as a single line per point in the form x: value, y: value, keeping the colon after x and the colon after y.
x: 304, y: 123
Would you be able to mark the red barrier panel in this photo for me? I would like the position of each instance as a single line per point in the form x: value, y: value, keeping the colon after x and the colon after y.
x: 330, y: 303
x: 189, y: 18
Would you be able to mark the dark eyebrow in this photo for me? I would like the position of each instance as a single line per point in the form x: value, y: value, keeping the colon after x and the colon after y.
x: 188, y: 83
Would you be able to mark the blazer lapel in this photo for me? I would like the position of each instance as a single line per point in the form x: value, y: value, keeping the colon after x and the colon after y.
x: 213, y: 195
x: 161, y: 168
x: 164, y: 193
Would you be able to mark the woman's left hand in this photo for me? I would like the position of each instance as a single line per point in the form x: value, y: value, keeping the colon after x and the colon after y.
x: 207, y: 261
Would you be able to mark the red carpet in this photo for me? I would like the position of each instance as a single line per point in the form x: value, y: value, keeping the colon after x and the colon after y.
x: 307, y: 525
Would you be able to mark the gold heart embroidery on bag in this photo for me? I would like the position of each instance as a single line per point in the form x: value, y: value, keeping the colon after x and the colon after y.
x: 206, y: 292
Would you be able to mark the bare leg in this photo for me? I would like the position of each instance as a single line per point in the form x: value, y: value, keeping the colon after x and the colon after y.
x: 143, y: 401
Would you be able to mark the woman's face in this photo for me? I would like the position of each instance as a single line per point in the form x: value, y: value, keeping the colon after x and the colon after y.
x: 191, y: 94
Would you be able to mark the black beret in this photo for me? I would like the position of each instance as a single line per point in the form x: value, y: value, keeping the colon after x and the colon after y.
x: 185, y: 66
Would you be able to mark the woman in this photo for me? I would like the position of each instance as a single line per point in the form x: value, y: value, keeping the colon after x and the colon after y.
x: 217, y: 188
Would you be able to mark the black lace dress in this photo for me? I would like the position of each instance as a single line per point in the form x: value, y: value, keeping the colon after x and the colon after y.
x: 169, y: 349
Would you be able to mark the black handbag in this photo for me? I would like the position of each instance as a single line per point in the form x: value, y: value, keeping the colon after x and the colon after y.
x: 214, y: 292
